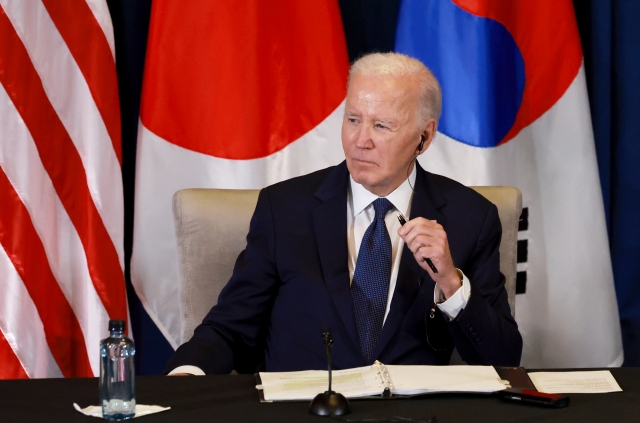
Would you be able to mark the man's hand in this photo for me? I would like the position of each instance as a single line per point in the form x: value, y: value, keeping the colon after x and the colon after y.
x: 427, y: 239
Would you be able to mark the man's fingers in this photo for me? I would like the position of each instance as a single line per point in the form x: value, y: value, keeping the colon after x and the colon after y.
x: 426, y: 253
x: 423, y: 226
x: 418, y: 240
x: 421, y: 257
x: 427, y: 239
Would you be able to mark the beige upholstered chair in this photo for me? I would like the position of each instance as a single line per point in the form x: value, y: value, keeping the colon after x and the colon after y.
x: 508, y: 200
x: 211, y: 226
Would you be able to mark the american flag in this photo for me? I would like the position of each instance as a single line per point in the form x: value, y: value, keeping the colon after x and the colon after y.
x: 61, y: 201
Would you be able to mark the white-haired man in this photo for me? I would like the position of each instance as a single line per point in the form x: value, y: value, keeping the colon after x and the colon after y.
x: 327, y: 249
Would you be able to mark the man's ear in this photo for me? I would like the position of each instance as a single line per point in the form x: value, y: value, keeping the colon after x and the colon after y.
x: 426, y: 137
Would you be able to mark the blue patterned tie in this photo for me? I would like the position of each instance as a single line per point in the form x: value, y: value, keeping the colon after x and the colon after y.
x: 370, y: 285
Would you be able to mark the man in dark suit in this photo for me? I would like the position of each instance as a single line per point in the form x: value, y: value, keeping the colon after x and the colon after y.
x: 326, y: 249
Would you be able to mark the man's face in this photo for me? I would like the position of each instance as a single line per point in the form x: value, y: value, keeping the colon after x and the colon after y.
x: 379, y: 134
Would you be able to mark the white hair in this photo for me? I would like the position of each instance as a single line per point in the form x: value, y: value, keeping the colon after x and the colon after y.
x: 400, y: 66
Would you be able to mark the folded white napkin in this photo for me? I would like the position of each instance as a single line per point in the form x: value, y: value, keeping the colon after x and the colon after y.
x: 141, y: 410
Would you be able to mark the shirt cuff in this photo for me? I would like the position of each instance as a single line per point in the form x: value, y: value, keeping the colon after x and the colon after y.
x: 454, y: 305
x: 192, y: 370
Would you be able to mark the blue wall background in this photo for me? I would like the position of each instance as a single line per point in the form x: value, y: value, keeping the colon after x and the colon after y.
x: 610, y: 34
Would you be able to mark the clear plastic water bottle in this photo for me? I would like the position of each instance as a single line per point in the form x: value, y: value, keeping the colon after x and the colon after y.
x: 117, y: 374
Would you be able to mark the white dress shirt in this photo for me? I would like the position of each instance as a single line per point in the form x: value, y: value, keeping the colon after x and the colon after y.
x: 360, y: 214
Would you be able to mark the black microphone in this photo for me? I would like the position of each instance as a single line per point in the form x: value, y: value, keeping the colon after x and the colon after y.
x: 328, y: 342
x: 329, y: 403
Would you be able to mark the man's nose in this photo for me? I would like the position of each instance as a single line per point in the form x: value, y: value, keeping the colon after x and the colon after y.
x: 364, y: 139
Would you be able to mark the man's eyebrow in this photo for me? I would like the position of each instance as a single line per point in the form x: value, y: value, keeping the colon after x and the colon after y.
x: 386, y: 121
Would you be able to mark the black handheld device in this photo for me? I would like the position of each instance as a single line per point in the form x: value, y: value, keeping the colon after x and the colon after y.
x: 529, y: 396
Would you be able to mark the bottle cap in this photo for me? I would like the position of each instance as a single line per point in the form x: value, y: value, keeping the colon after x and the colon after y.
x: 116, y: 325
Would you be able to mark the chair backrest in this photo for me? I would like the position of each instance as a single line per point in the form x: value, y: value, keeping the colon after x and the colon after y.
x: 508, y: 200
x: 211, y: 228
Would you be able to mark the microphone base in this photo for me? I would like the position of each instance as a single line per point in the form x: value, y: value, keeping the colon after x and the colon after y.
x: 329, y: 403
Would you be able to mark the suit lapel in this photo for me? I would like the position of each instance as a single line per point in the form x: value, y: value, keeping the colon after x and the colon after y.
x: 330, y: 224
x: 426, y: 202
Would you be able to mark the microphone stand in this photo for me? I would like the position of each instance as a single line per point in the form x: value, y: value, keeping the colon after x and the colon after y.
x: 329, y: 403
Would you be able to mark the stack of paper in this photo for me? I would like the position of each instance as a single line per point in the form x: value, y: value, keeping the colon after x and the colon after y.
x: 372, y: 380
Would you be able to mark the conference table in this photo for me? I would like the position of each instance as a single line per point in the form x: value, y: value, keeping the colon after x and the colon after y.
x: 234, y: 398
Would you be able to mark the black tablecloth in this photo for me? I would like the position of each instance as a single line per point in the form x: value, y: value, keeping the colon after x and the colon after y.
x: 235, y: 399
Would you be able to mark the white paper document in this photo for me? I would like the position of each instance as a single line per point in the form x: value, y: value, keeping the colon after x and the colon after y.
x: 372, y: 380
x: 413, y: 380
x: 589, y: 382
x: 289, y: 386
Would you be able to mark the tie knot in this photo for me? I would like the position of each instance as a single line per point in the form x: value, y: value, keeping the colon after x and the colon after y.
x: 382, y: 207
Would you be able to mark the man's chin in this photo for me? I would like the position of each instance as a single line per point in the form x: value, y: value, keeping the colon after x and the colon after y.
x: 363, y: 178
x: 361, y: 168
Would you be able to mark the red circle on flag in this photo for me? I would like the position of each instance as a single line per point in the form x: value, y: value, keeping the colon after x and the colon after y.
x: 242, y: 82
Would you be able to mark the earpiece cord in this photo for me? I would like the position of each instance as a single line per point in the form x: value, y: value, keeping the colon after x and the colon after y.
x: 431, y: 316
x: 414, y: 160
x: 431, y: 313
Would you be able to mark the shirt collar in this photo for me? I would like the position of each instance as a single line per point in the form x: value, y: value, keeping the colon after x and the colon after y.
x: 400, y: 197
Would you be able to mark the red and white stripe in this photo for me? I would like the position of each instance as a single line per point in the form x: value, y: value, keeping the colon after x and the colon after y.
x: 61, y: 220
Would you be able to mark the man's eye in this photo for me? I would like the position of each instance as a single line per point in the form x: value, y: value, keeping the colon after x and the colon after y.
x: 380, y: 126
x: 352, y: 120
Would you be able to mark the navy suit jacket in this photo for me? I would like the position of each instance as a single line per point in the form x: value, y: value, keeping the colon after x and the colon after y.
x: 293, y: 279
